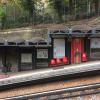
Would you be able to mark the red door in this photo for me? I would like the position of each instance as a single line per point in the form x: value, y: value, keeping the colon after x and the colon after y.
x: 76, y: 50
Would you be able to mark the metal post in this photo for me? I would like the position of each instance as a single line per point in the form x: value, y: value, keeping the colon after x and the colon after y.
x: 42, y: 10
x: 75, y: 9
x: 64, y: 14
x: 87, y: 9
x: 14, y: 13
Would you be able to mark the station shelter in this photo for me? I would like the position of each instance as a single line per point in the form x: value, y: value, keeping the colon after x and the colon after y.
x: 78, y: 43
x: 22, y: 55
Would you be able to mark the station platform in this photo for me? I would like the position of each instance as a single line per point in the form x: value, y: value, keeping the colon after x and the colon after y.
x: 51, y: 73
x: 2, y: 75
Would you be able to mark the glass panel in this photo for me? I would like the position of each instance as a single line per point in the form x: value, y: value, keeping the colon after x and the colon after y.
x: 95, y: 43
x: 26, y: 58
x: 59, y: 48
x: 95, y: 48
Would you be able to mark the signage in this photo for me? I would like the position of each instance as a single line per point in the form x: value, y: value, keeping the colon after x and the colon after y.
x: 26, y: 58
x: 95, y: 43
x: 42, y: 53
x: 59, y: 48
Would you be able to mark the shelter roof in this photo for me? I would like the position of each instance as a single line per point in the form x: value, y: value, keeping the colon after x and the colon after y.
x: 81, y: 27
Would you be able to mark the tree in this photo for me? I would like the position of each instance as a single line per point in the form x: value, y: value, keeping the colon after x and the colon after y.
x: 29, y: 5
x: 71, y: 6
x: 97, y: 4
x: 58, y: 6
x: 3, y: 18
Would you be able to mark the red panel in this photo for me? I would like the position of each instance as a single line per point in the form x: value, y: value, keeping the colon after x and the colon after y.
x: 76, y: 45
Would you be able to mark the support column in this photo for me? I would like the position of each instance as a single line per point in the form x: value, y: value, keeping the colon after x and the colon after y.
x: 19, y: 60
x: 4, y: 59
x: 87, y: 47
x: 68, y: 50
x: 34, y: 54
x: 49, y: 54
x: 52, y: 48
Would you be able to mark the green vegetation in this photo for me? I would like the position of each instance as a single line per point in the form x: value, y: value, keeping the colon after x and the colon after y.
x: 20, y: 13
x: 2, y: 18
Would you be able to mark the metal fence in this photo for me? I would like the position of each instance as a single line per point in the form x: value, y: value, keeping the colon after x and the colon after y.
x: 13, y: 18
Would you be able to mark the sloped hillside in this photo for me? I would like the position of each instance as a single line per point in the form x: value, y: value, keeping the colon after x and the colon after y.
x: 41, y: 30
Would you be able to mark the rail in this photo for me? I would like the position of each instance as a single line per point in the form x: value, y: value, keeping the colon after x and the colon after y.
x: 59, y: 94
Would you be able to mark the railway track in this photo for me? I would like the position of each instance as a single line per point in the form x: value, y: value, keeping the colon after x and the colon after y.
x: 65, y: 93
x: 55, y: 90
x: 22, y: 87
